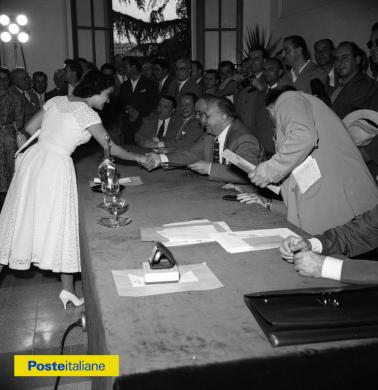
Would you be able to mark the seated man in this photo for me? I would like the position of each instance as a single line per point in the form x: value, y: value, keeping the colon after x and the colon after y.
x: 224, y: 131
x: 354, y: 238
x: 157, y: 125
x: 182, y: 130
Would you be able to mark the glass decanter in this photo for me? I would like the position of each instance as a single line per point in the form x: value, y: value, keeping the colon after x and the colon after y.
x: 107, y: 171
x: 116, y: 205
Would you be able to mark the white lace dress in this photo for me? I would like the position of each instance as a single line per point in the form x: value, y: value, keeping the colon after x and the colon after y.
x: 39, y: 221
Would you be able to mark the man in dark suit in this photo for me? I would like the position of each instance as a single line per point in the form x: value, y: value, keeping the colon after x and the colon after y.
x: 197, y: 75
x: 183, y: 83
x: 352, y: 239
x: 40, y: 86
x: 354, y: 86
x: 156, y: 126
x: 164, y: 78
x: 21, y: 89
x: 60, y: 85
x: 224, y: 131
x: 138, y: 96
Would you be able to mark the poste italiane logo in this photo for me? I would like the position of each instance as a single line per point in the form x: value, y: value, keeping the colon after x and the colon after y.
x: 66, y: 365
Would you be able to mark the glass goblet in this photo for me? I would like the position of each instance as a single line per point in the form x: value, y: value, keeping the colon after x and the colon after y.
x: 114, y: 203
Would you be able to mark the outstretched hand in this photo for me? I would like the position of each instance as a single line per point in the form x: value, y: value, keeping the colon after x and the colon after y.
x: 152, y: 161
x: 259, y: 176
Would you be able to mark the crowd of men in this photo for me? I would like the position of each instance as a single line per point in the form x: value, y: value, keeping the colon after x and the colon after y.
x: 187, y: 116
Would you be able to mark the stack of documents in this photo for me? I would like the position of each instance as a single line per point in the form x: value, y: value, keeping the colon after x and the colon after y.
x: 252, y: 240
x: 184, y: 233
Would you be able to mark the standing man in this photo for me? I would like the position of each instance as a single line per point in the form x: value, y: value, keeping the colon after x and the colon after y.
x: 40, y: 87
x: 138, y: 96
x: 354, y: 86
x: 166, y: 82
x: 224, y: 131
x: 72, y: 74
x: 303, y: 70
x: 21, y: 88
x: 333, y: 185
x: 324, y: 51
x: 184, y: 84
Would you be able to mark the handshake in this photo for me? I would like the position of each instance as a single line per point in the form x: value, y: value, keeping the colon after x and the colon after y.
x: 150, y: 161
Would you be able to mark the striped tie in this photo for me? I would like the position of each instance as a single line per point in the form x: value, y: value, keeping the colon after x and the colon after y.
x: 216, y: 151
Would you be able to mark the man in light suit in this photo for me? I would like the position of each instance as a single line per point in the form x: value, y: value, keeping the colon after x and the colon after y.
x: 223, y: 129
x: 303, y: 70
x: 183, y: 83
x: 352, y: 239
x: 341, y: 187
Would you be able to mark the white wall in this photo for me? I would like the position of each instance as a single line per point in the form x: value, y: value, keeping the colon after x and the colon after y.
x: 48, y: 46
x: 342, y: 20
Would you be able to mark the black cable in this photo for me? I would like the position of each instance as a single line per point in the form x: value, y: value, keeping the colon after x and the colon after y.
x: 68, y: 330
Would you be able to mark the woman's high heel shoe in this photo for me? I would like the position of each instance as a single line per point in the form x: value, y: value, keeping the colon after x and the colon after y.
x: 66, y: 296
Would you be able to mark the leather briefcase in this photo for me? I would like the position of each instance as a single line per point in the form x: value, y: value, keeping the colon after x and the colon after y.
x: 313, y: 315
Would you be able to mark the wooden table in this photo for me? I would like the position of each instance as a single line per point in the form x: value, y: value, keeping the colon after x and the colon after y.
x: 200, y: 339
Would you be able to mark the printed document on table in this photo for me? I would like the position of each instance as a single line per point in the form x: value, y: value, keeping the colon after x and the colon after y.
x: 307, y: 174
x: 184, y: 233
x: 252, y: 240
x: 193, y: 277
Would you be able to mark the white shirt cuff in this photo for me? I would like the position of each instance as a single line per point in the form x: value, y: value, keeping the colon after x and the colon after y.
x: 161, y: 144
x: 316, y: 245
x: 332, y: 268
x: 163, y: 158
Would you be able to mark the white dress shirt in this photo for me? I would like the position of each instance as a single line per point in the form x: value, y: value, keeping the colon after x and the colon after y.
x: 294, y: 76
x: 332, y: 267
x: 134, y: 83
x: 162, y: 82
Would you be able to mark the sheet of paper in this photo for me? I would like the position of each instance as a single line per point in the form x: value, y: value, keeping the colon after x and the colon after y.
x: 252, y: 240
x: 184, y: 233
x: 130, y: 283
x: 246, y: 166
x: 307, y: 174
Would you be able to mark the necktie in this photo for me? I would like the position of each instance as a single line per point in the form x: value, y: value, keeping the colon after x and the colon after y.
x: 216, y: 151
x: 160, y: 132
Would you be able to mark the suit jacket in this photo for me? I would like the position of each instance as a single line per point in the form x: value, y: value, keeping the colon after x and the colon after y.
x: 29, y: 108
x: 303, y: 81
x: 185, y: 134
x: 239, y: 140
x: 144, y: 99
x: 306, y: 126
x: 169, y: 87
x: 189, y: 87
x: 352, y: 239
x: 250, y: 107
x: 353, y: 95
x: 149, y: 128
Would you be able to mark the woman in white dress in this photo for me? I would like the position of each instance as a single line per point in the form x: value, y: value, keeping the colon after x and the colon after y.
x: 39, y: 220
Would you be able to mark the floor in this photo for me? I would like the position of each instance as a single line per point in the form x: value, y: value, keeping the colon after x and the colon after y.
x: 33, y: 321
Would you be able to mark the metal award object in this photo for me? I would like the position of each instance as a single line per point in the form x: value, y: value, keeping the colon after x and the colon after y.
x: 113, y: 202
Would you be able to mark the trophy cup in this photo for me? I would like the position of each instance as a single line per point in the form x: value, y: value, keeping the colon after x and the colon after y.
x: 108, y: 174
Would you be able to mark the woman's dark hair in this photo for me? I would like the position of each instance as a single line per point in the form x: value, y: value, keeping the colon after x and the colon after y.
x: 298, y: 41
x: 93, y: 83
x: 275, y: 93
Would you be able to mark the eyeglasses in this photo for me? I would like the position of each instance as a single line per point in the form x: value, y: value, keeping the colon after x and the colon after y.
x: 371, y: 43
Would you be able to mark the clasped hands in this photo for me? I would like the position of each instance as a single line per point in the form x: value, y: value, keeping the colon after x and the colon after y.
x: 152, y: 161
x: 297, y: 250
